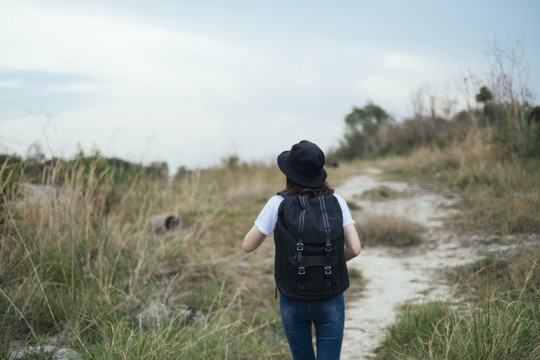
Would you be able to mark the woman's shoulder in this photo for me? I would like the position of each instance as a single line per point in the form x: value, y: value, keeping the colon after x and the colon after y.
x: 274, y: 201
x: 341, y: 201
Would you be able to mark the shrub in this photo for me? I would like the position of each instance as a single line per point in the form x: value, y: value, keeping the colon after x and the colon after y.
x: 388, y: 230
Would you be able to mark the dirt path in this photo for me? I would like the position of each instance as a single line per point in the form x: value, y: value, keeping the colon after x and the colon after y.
x: 395, y: 275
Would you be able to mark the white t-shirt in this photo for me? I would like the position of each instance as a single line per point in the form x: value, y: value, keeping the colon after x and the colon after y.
x: 266, y: 221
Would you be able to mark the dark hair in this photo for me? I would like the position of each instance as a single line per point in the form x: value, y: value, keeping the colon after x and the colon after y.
x: 294, y: 188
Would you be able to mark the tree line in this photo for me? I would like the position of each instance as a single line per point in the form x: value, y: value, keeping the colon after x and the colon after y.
x: 504, y: 107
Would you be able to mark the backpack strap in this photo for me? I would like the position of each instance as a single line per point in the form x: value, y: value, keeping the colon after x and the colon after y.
x: 328, y: 244
x: 300, y: 243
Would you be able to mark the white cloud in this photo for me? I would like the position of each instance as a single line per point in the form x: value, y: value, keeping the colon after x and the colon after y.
x: 400, y: 61
x: 106, y: 49
x: 75, y: 87
x: 149, y: 89
x: 399, y: 75
x: 11, y: 83
x: 145, y: 82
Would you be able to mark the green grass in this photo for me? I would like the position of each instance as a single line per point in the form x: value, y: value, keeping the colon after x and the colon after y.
x: 77, y: 269
x: 221, y: 333
x: 501, y: 320
x: 497, y: 331
x: 499, y: 193
x: 499, y: 316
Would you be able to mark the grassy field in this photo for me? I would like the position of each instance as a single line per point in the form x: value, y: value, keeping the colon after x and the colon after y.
x: 82, y: 272
x: 81, y: 268
x: 499, y: 320
x: 499, y: 191
x: 499, y: 317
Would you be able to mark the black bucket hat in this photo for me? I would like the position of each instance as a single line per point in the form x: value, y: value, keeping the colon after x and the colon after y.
x: 303, y: 164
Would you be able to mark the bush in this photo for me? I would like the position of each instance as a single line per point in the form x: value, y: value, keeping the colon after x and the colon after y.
x: 388, y: 230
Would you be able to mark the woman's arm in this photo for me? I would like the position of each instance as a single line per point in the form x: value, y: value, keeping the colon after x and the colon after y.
x: 253, y: 239
x: 352, y: 242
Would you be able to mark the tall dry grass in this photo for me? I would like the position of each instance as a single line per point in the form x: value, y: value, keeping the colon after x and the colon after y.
x: 499, y: 192
x: 388, y: 229
x: 79, y: 264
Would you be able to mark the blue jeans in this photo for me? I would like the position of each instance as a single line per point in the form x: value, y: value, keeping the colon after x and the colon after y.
x: 328, y: 316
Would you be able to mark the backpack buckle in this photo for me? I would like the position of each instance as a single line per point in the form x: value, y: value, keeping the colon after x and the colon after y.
x: 299, y: 247
x: 328, y: 270
x: 301, y: 270
x: 328, y: 248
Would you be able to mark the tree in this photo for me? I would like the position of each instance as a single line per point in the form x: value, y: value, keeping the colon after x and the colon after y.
x: 361, y: 124
x: 485, y: 96
x: 367, y: 119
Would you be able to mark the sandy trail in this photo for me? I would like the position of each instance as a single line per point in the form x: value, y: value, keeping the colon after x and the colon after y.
x: 396, y: 275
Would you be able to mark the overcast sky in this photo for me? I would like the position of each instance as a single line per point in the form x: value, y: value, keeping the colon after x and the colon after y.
x: 192, y: 82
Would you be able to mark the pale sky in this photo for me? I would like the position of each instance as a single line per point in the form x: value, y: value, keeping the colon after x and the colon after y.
x: 192, y: 82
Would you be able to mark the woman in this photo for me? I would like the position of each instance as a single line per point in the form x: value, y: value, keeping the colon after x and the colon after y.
x: 306, y: 178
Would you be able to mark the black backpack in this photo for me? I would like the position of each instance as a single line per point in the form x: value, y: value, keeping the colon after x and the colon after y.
x: 309, y: 241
